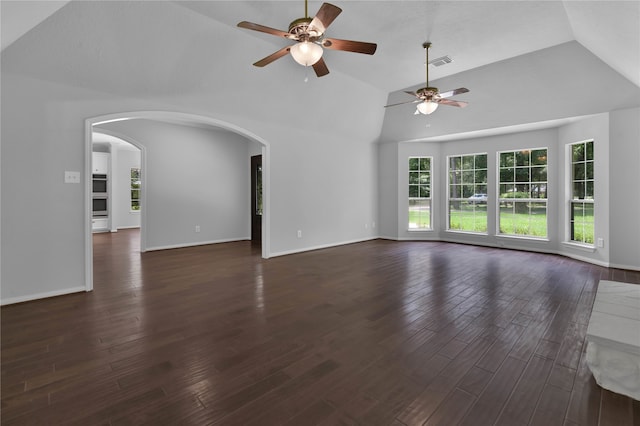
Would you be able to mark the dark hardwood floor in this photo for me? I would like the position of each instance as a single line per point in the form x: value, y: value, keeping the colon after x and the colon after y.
x: 376, y: 333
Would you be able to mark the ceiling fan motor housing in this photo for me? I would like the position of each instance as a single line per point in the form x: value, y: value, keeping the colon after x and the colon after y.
x: 427, y: 92
x: 299, y: 30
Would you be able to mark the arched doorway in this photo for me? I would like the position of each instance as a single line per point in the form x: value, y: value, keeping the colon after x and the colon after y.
x: 172, y: 118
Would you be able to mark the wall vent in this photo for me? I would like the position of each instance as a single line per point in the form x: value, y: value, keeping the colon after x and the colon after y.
x: 443, y: 60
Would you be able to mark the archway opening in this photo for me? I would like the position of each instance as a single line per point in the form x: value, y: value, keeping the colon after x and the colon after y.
x: 103, y: 123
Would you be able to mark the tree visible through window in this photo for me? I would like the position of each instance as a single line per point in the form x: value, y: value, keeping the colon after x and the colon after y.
x: 523, y: 192
x: 468, y: 192
x: 582, y: 198
x: 135, y: 188
x: 419, y: 192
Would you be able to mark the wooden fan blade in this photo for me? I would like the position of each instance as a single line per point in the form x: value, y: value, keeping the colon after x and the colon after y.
x: 453, y: 92
x: 415, y: 101
x: 324, y: 17
x: 350, y: 46
x: 451, y: 102
x: 320, y: 67
x: 411, y: 93
x: 277, y: 55
x: 262, y: 29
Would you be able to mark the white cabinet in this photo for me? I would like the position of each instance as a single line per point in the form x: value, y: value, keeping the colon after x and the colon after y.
x: 100, y: 163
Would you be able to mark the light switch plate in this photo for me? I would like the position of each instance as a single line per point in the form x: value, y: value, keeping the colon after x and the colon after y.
x: 71, y: 177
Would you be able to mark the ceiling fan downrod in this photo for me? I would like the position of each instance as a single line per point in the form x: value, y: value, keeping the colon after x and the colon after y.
x: 426, y: 46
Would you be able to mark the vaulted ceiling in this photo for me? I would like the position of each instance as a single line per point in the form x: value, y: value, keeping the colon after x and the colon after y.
x: 472, y: 33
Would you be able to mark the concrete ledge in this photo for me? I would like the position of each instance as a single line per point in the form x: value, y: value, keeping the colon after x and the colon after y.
x: 613, y: 336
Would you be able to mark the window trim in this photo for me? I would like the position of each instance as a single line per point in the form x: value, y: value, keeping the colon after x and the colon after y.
x: 529, y: 237
x: 569, y: 198
x: 430, y: 198
x: 448, y: 194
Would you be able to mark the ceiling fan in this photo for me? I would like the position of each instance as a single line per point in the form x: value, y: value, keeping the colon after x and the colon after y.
x: 428, y: 98
x: 309, y: 35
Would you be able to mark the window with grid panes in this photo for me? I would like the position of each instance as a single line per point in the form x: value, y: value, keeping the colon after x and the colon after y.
x: 581, y: 223
x: 419, y: 214
x: 135, y: 189
x: 467, y: 206
x: 523, y: 192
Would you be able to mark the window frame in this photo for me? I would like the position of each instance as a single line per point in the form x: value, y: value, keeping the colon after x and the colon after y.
x: 571, y: 201
x: 417, y: 186
x: 475, y: 184
x: 529, y: 183
x: 138, y: 189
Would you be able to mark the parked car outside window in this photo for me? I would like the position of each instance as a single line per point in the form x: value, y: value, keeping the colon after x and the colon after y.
x: 478, y: 198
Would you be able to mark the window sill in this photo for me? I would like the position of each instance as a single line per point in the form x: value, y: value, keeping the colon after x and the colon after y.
x: 419, y: 230
x: 455, y: 231
x: 522, y: 237
x: 136, y: 212
x: 582, y: 247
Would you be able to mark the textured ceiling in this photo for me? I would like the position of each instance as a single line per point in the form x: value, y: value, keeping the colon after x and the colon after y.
x: 473, y: 33
x: 18, y: 17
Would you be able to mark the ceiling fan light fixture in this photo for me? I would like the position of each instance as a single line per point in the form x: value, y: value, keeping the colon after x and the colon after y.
x: 306, y: 53
x: 427, y: 107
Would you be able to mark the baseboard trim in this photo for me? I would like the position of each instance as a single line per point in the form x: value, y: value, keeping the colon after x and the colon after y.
x: 323, y: 246
x: 584, y: 259
x: 195, y: 244
x: 520, y: 248
x: 30, y: 297
x: 628, y: 267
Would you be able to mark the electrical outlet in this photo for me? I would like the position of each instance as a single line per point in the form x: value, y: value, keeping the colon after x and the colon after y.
x: 197, y: 228
x: 299, y: 233
x: 71, y: 177
x: 366, y: 226
x: 373, y: 224
x: 600, y: 242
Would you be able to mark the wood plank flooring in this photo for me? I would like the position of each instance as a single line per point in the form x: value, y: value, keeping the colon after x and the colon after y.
x: 375, y: 333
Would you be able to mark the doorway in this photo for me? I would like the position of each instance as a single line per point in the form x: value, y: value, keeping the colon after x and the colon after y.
x: 262, y: 231
x: 256, y: 199
x: 116, y: 182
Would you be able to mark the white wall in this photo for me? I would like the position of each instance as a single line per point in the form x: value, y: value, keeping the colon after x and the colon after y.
x: 624, y: 188
x: 388, y: 190
x: 254, y: 148
x: 553, y: 83
x: 322, y: 161
x: 194, y: 177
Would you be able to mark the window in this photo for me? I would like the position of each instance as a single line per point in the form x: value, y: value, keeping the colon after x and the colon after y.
x: 468, y: 193
x: 523, y: 192
x: 135, y: 189
x: 581, y: 205
x: 420, y: 193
